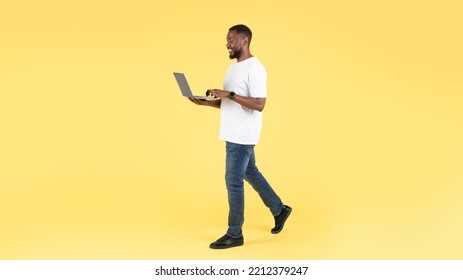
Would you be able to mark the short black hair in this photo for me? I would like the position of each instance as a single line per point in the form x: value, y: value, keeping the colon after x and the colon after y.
x: 242, y: 30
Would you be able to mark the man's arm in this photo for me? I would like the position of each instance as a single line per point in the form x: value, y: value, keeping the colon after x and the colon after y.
x: 211, y: 103
x: 252, y: 103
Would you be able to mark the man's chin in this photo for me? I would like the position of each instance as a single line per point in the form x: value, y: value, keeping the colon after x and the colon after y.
x: 235, y: 55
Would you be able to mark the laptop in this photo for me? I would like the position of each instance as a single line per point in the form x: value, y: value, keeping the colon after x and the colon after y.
x: 185, y: 88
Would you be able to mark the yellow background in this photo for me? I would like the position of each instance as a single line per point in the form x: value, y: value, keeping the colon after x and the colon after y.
x: 101, y: 158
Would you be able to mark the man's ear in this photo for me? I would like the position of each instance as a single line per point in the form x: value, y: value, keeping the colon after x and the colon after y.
x: 246, y: 41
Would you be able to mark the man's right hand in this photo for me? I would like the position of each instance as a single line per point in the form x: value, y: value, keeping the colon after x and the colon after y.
x: 198, y: 101
x: 211, y: 103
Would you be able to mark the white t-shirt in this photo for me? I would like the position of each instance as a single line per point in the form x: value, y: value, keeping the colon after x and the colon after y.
x: 239, y: 124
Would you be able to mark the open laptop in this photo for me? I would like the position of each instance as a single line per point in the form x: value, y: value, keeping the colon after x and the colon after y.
x: 185, y: 88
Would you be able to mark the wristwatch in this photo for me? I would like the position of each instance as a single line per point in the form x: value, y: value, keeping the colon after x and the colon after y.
x: 231, y: 94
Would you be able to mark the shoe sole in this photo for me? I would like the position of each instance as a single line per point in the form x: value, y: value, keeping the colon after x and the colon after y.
x: 284, y: 222
x: 226, y: 247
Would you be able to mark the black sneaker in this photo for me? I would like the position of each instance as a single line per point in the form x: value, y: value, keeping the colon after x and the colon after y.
x: 227, y: 241
x: 281, y: 219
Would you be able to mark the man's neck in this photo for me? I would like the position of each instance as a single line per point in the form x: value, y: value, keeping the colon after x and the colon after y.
x: 243, y: 57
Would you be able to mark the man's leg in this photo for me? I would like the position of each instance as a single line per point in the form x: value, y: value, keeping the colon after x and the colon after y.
x: 267, y: 194
x: 262, y: 187
x: 236, y: 162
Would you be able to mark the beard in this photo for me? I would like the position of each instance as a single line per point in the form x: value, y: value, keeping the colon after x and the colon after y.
x: 235, y: 54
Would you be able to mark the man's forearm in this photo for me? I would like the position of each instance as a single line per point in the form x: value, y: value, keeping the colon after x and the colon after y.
x: 252, y: 103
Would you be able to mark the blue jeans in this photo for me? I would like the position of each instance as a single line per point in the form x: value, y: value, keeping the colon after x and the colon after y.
x: 241, y: 164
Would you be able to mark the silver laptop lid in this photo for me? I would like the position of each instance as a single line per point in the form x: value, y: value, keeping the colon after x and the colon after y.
x: 183, y: 84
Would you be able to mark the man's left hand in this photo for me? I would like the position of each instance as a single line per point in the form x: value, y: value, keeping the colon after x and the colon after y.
x: 218, y: 93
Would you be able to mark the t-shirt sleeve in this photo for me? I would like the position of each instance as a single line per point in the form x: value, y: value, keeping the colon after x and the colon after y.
x: 258, y: 81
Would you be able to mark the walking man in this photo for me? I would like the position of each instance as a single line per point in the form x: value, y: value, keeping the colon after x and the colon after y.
x: 241, y: 103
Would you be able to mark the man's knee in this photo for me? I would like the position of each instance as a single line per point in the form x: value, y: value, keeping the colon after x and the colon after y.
x: 233, y: 180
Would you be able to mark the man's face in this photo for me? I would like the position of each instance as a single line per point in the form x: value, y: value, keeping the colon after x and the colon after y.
x: 234, y: 44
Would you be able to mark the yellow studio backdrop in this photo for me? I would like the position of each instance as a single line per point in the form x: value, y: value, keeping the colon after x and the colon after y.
x: 101, y: 157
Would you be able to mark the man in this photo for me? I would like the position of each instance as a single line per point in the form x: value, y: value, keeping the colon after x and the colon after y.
x: 241, y: 103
